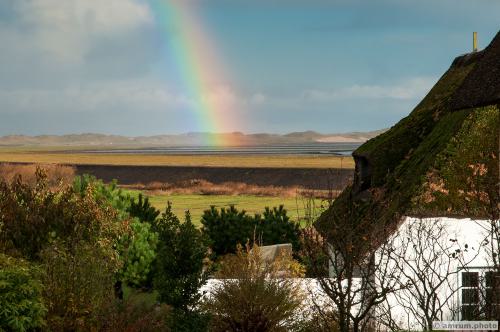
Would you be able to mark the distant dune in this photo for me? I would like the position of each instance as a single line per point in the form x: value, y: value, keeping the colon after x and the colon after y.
x: 343, y: 139
x: 189, y: 139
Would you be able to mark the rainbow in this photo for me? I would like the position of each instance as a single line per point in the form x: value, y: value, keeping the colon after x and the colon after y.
x: 197, y: 62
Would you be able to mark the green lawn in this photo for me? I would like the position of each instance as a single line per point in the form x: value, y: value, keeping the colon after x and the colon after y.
x: 196, y: 204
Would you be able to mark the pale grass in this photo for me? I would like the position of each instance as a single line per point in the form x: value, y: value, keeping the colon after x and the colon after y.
x: 250, y: 161
x: 204, y: 187
x: 56, y: 174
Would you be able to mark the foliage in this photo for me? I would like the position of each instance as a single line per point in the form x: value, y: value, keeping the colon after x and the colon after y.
x: 21, y: 304
x: 138, y: 251
x: 131, y: 316
x: 107, y: 193
x: 275, y: 227
x: 137, y: 247
x: 32, y: 216
x: 78, y: 283
x: 143, y: 210
x: 187, y: 321
x: 227, y: 228
x: 312, y: 254
x: 73, y: 235
x: 255, y: 295
x: 179, y: 272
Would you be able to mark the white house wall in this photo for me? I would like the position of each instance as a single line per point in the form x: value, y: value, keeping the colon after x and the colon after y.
x: 461, y: 232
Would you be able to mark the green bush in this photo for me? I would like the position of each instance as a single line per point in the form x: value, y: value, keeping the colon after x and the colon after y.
x: 275, y: 227
x: 78, y: 283
x: 255, y: 295
x: 73, y: 235
x: 227, y: 228
x: 143, y: 210
x: 102, y: 192
x: 137, y: 247
x: 179, y: 264
x: 138, y: 251
x: 21, y: 305
x: 33, y: 216
x: 188, y: 321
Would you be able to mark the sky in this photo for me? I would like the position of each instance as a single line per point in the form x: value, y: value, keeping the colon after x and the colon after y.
x: 149, y: 67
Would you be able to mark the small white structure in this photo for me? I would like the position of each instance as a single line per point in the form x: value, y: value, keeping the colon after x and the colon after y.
x: 270, y: 253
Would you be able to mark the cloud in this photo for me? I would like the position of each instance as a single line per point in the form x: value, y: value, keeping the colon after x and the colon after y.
x: 48, y: 43
x: 66, y: 29
x: 92, y: 97
x: 411, y: 89
x: 145, y: 95
x: 258, y: 98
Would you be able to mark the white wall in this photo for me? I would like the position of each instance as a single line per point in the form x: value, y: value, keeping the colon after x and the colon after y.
x: 465, y: 235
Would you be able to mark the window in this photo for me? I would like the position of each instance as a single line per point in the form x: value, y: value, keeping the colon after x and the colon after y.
x: 470, y: 279
x: 470, y: 295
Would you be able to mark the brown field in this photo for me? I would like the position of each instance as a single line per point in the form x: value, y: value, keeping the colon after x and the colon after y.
x: 250, y: 161
x: 55, y: 173
x: 203, y: 187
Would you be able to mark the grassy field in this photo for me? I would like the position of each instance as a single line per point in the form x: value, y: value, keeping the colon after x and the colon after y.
x: 196, y: 204
x: 280, y: 161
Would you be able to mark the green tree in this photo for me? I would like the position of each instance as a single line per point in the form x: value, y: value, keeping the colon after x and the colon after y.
x: 180, y: 259
x: 21, y: 304
x: 143, y: 209
x: 108, y: 193
x: 275, y: 227
x: 137, y: 247
x: 138, y: 251
x: 179, y: 270
x: 226, y: 228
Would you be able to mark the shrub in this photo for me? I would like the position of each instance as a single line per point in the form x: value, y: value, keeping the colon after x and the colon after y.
x: 188, y: 321
x: 137, y: 247
x: 138, y: 252
x: 254, y: 295
x: 227, y: 228
x: 312, y: 253
x: 117, y: 198
x: 73, y: 235
x: 180, y: 260
x: 109, y: 194
x: 21, y: 302
x: 132, y: 316
x: 32, y: 216
x: 143, y: 210
x: 275, y: 227
x: 78, y: 283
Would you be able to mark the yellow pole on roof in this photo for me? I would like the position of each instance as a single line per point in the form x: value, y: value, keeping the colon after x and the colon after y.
x: 474, y: 41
